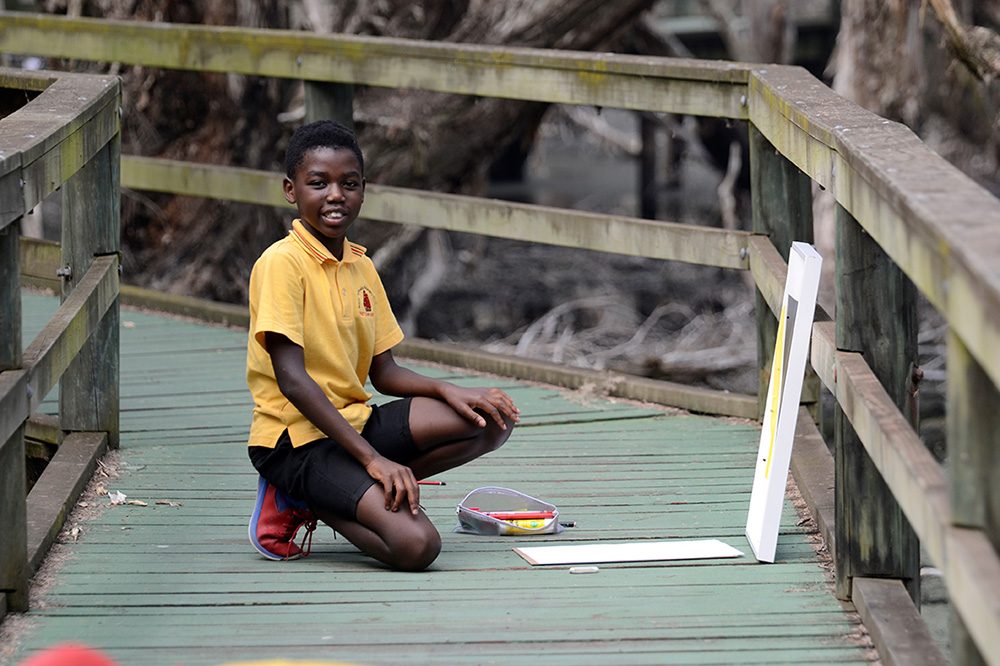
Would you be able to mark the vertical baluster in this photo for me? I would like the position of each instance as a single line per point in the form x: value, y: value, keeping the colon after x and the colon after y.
x: 330, y: 101
x: 876, y: 316
x: 89, y: 390
x: 782, y: 209
x: 13, y: 490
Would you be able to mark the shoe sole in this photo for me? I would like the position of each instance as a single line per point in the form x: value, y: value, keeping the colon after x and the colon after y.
x: 254, y: 517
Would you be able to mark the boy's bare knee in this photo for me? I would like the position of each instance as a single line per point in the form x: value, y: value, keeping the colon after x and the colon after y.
x: 495, y: 437
x: 416, y: 552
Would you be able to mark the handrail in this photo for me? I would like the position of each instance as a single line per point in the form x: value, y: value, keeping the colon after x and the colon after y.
x: 905, y: 195
x: 40, y: 148
x: 933, y: 222
x: 599, y: 79
x: 67, y: 136
x: 541, y: 224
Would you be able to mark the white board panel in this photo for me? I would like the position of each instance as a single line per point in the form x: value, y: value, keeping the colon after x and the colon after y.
x: 784, y: 393
x: 641, y: 551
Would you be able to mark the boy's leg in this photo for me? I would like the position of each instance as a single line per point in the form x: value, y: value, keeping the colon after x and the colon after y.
x: 276, y: 518
x: 446, y: 439
x: 397, y: 538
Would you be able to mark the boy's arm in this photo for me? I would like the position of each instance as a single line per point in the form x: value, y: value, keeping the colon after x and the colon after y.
x: 304, y: 393
x: 391, y: 379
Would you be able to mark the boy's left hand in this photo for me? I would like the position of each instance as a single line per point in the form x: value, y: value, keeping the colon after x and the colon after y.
x: 492, y: 401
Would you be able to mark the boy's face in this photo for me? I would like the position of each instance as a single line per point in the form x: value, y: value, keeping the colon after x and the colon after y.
x: 328, y: 190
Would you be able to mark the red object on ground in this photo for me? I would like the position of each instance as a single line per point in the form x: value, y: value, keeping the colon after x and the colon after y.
x: 68, y: 654
x: 520, y: 515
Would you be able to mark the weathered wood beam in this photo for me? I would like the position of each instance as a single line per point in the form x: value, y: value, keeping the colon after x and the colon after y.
x: 13, y: 565
x: 932, y: 220
x: 966, y: 557
x: 209, y: 181
x: 694, y: 87
x: 42, y: 436
x: 23, y: 79
x: 540, y: 224
x: 13, y: 547
x: 812, y: 467
x: 876, y: 317
x: 330, y: 101
x: 52, y: 137
x: 10, y: 298
x: 781, y: 199
x: 48, y: 356
x: 909, y: 469
x: 973, y: 437
x: 974, y: 457
x: 769, y: 270
x: 898, y: 631
x: 40, y: 259
x: 54, y: 495
x: 91, y: 231
x: 43, y: 428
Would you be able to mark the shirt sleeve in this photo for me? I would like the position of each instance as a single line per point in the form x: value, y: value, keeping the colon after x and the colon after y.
x: 277, y: 291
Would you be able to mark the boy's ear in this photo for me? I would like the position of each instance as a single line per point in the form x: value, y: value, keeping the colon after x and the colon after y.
x: 289, y: 190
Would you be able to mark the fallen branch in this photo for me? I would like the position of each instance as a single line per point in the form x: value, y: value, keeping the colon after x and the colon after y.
x: 611, y: 136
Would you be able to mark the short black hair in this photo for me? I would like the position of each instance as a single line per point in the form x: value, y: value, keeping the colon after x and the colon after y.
x: 320, y: 134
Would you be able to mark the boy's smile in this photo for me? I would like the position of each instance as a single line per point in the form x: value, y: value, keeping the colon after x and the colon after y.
x: 328, y: 190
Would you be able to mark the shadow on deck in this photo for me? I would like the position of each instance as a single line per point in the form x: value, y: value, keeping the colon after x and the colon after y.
x: 179, y: 583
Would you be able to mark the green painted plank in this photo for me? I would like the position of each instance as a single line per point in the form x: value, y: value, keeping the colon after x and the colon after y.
x: 367, y: 629
x: 164, y: 585
x: 581, y: 654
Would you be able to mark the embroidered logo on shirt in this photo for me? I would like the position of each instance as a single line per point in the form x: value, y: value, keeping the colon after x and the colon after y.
x: 365, y: 300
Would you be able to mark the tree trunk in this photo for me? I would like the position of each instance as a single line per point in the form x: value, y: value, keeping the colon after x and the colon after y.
x: 897, y: 59
x: 447, y: 142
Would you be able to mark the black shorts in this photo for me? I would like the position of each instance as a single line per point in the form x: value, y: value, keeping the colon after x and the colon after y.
x: 324, y: 475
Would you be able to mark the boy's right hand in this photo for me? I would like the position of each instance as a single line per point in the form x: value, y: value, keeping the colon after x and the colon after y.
x: 400, y: 484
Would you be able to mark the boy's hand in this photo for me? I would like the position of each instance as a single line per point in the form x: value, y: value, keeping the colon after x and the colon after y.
x: 494, y: 402
x: 399, y: 483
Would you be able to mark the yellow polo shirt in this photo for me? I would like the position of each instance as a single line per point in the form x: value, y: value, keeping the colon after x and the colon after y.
x: 337, y: 311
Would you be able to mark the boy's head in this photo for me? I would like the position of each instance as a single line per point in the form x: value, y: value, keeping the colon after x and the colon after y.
x: 320, y: 134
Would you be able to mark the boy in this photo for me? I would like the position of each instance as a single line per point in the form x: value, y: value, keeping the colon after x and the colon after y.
x: 320, y: 325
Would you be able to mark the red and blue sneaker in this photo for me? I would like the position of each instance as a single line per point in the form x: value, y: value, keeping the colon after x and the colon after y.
x: 275, y: 521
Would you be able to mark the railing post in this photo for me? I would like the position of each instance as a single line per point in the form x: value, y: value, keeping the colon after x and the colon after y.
x: 89, y: 391
x: 648, y: 186
x: 13, y: 489
x: 876, y: 316
x: 330, y: 101
x: 781, y: 200
x: 973, y: 417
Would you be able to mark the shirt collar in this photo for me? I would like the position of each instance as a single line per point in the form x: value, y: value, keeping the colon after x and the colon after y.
x: 314, y: 248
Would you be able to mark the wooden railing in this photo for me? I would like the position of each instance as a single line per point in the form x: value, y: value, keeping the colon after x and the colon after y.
x: 67, y: 137
x: 906, y: 221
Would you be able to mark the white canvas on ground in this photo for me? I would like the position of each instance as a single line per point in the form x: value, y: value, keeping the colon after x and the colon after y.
x: 784, y: 393
x: 641, y: 551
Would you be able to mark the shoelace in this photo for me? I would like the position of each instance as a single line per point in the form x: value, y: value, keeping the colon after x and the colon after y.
x: 309, y: 523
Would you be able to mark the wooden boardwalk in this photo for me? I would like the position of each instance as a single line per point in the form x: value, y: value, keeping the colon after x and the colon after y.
x: 180, y: 584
